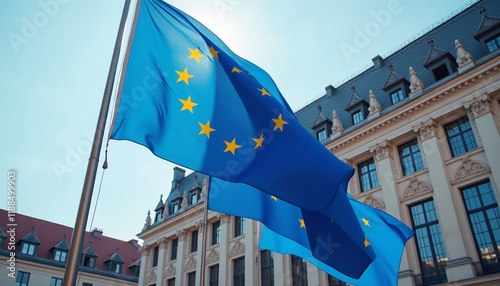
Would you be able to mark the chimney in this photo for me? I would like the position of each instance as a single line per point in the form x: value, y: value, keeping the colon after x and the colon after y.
x: 329, y: 90
x: 97, y: 232
x: 377, y: 62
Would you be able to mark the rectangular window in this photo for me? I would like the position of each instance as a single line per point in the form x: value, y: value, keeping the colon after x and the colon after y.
x: 173, y: 254
x: 214, y: 275
x: 484, y: 219
x: 191, y: 279
x: 397, y: 96
x: 332, y: 281
x: 28, y: 248
x: 357, y: 117
x: 175, y: 208
x: 194, y: 198
x: 216, y: 233
x: 55, y: 282
x: 367, y: 175
x: 321, y: 135
x: 22, y: 278
x: 493, y: 44
x: 158, y: 216
x: 60, y: 255
x: 239, y: 226
x: 171, y: 282
x: 86, y: 284
x: 267, y: 267
x: 155, y: 256
x: 460, y: 136
x: 116, y: 268
x: 411, y: 159
x: 89, y: 261
x: 194, y: 241
x: 239, y: 272
x: 299, y: 271
x: 431, y: 252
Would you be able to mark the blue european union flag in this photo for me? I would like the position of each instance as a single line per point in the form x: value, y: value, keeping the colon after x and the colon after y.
x: 189, y: 99
x: 332, y: 236
x: 384, y: 234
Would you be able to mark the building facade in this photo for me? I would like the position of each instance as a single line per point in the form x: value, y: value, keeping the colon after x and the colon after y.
x: 421, y: 128
x: 34, y: 252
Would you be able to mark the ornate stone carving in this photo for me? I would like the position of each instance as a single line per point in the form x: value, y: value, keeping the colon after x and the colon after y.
x: 479, y: 105
x: 181, y: 234
x: 375, y: 107
x: 148, y: 220
x: 200, y: 225
x: 337, y: 127
x: 416, y: 84
x: 166, y: 210
x: 374, y: 202
x: 162, y: 242
x: 469, y: 168
x: 190, y: 263
x: 203, y: 189
x: 213, y: 256
x: 151, y: 276
x: 222, y: 217
x: 238, y: 248
x: 170, y: 270
x: 416, y: 188
x: 144, y: 249
x: 463, y: 57
x: 382, y: 150
x: 426, y: 129
x: 184, y: 203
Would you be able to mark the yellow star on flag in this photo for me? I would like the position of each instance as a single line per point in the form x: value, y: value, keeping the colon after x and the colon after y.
x: 195, y: 54
x: 264, y: 91
x: 235, y: 70
x: 259, y: 141
x: 214, y: 52
x: 184, y: 76
x: 231, y: 146
x: 188, y: 104
x: 279, y: 123
x: 366, y: 241
x: 274, y: 198
x: 206, y: 129
x: 367, y: 222
x: 302, y: 223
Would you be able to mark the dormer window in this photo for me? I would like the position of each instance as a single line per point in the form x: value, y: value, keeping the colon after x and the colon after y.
x: 29, y: 243
x: 440, y: 62
x: 194, y: 198
x: 175, y: 208
x: 89, y: 262
x: 159, y: 209
x: 321, y: 125
x: 114, y: 263
x: 488, y: 32
x: 89, y: 256
x: 396, y: 86
x: 60, y: 250
x: 357, y: 107
x: 194, y: 192
x: 60, y: 255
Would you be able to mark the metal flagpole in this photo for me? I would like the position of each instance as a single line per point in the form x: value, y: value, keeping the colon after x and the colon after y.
x: 72, y: 264
x: 204, y: 238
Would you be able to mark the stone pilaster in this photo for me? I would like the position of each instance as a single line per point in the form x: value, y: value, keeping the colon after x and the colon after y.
x: 179, y: 273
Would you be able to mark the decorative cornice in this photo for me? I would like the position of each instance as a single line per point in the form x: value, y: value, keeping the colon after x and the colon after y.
x: 479, y: 105
x: 416, y: 188
x: 382, y: 150
x: 405, y: 112
x: 374, y: 202
x: 167, y: 224
x: 238, y: 248
x: 426, y: 129
x: 468, y: 169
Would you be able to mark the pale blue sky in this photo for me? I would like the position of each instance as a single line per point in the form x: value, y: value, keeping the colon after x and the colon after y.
x: 54, y: 59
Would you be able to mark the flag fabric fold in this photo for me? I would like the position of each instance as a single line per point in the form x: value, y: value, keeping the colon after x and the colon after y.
x: 189, y: 99
x: 385, y: 234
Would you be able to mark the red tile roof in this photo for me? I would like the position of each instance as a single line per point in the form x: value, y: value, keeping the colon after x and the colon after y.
x: 49, y: 234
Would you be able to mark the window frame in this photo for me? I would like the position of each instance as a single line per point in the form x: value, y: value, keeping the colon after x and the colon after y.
x: 239, y: 226
x: 216, y: 232
x: 415, y: 166
x: 267, y: 267
x: 213, y: 279
x: 399, y: 93
x: 156, y: 252
x: 495, y: 40
x: 55, y: 281
x: 60, y: 255
x: 459, y: 122
x: 370, y: 172
x: 173, y: 252
x: 299, y: 271
x: 191, y: 278
x: 21, y: 278
x: 28, y: 248
x: 321, y: 134
x: 194, y: 241
x: 354, y: 116
x: 239, y: 276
